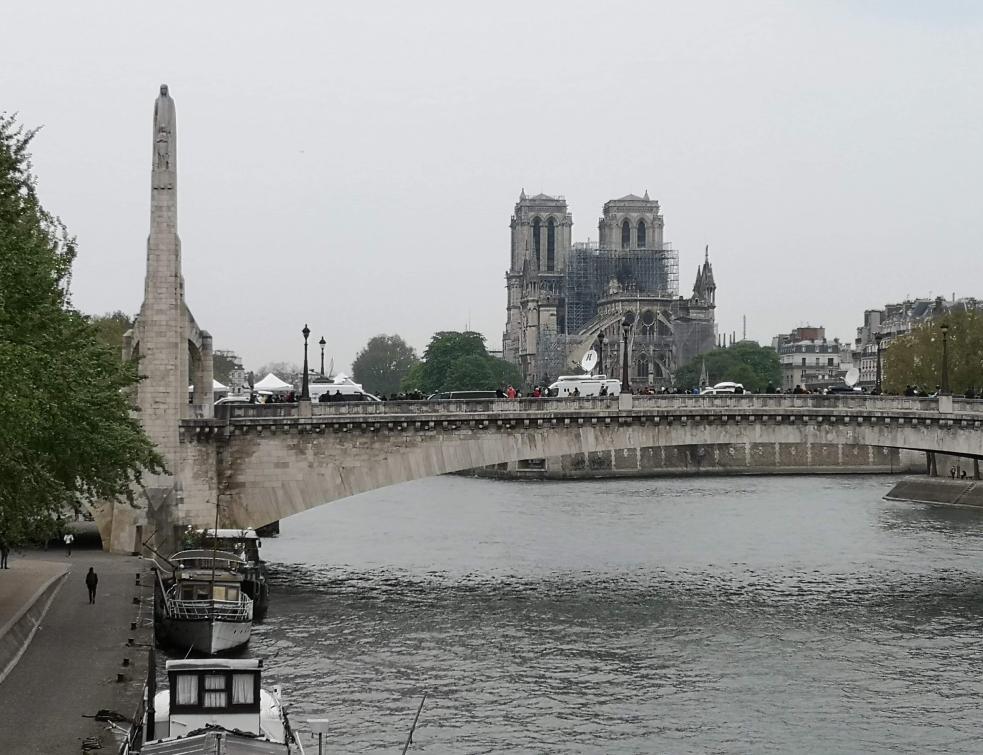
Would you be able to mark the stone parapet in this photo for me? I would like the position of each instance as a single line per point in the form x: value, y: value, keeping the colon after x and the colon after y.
x: 744, y: 403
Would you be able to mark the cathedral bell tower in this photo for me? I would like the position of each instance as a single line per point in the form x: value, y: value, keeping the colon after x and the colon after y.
x: 541, y: 227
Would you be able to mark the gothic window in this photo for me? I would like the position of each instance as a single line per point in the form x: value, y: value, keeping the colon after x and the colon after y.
x: 625, y: 235
x: 536, y: 240
x: 648, y: 322
x: 550, y: 245
x: 641, y: 234
x: 642, y: 367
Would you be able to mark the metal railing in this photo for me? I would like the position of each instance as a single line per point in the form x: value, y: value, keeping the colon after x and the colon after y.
x: 219, y: 610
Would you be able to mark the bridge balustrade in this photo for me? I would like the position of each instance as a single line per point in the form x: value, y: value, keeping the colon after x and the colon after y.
x: 745, y: 402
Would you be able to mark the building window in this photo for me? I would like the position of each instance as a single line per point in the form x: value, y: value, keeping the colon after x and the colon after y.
x: 648, y: 322
x: 536, y: 241
x: 625, y: 235
x: 642, y: 367
x: 641, y: 234
x: 551, y: 245
x: 829, y: 362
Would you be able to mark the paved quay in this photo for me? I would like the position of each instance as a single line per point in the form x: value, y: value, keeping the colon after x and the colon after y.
x: 69, y: 670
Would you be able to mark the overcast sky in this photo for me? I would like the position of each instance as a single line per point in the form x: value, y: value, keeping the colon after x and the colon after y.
x: 354, y: 165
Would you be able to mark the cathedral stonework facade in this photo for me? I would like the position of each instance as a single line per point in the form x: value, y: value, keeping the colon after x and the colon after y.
x: 565, y: 298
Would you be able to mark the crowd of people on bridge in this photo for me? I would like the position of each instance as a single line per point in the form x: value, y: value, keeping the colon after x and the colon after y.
x: 541, y: 391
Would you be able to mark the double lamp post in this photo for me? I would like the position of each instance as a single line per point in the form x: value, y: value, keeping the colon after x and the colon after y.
x: 625, y: 328
x: 305, y: 387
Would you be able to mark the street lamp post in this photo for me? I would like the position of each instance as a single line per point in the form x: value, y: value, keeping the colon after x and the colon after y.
x: 944, y: 327
x: 878, y: 337
x: 600, y: 353
x: 322, y: 342
x: 625, y: 327
x: 305, y: 390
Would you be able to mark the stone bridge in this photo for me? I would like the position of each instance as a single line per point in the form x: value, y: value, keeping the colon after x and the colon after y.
x: 262, y: 463
x: 253, y: 465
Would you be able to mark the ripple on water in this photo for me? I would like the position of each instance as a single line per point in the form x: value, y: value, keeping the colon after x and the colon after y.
x: 766, y: 615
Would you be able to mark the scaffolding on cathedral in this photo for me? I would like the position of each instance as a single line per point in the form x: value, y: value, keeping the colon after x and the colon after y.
x: 590, y: 271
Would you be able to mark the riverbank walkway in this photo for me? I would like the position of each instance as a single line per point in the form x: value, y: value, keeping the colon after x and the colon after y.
x: 68, y: 670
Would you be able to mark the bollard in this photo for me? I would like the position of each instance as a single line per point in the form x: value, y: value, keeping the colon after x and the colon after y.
x: 138, y: 579
x: 129, y: 641
x: 133, y: 626
x: 126, y: 661
x: 136, y: 600
x: 120, y: 678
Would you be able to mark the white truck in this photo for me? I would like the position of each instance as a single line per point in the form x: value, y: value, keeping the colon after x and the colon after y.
x: 584, y: 385
x: 348, y: 389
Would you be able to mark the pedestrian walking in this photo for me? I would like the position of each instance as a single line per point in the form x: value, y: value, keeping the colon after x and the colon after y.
x: 68, y: 540
x: 92, y: 581
x: 4, y: 552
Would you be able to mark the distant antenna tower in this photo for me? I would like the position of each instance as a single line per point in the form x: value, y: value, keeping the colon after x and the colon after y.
x: 744, y: 330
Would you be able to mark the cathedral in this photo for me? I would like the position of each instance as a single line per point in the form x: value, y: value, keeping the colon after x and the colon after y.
x: 565, y: 298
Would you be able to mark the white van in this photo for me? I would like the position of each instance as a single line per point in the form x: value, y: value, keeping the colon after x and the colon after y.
x: 585, y: 385
x: 349, y: 390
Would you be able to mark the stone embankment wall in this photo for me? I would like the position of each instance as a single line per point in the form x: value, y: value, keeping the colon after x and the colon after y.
x: 722, y: 459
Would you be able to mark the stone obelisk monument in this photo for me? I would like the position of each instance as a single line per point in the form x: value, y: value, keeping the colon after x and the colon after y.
x: 171, y: 349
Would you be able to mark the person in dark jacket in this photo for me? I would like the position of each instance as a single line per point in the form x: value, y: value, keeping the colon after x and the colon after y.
x: 92, y: 581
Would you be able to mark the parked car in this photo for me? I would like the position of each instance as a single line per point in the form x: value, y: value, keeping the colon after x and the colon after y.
x: 232, y: 400
x: 459, y: 395
x: 843, y: 388
x: 723, y: 389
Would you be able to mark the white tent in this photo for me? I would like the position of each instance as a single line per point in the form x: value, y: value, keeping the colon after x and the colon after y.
x: 217, y: 387
x: 273, y: 384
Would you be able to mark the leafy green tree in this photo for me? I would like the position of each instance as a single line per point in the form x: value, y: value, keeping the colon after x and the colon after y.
x: 916, y: 358
x: 469, y: 373
x: 223, y: 362
x: 747, y: 363
x: 111, y: 327
x: 383, y: 363
x: 445, y: 348
x: 66, y: 428
x: 503, y: 373
x: 459, y: 361
x: 413, y: 380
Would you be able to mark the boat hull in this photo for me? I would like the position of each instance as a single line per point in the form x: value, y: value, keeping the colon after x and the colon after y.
x: 205, y: 635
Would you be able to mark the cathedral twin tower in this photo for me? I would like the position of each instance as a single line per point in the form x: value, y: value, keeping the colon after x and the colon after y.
x: 561, y: 294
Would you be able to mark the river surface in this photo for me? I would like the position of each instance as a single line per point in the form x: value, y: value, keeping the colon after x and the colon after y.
x: 697, y: 615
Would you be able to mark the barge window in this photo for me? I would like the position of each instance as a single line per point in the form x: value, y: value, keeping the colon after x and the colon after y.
x: 187, y: 689
x: 194, y: 591
x: 242, y: 689
x: 226, y: 592
x: 215, y: 695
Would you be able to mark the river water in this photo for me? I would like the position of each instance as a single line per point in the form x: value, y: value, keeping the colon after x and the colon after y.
x: 696, y: 615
